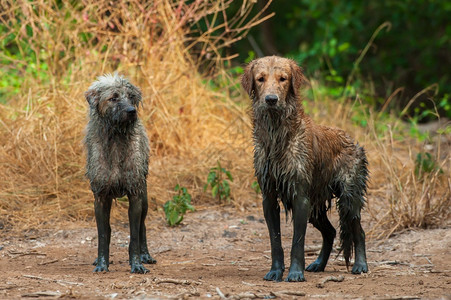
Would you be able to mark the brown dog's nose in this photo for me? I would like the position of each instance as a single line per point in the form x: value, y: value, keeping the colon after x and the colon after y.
x: 271, y: 99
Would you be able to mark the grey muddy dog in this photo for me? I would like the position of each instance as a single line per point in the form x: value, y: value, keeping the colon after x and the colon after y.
x: 117, y: 164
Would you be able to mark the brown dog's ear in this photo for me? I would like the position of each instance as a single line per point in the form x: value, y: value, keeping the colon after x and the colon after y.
x: 247, y: 80
x: 297, y: 78
x: 92, y: 97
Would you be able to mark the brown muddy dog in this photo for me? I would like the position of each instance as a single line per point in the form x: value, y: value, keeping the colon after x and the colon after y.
x: 117, y: 164
x: 305, y: 166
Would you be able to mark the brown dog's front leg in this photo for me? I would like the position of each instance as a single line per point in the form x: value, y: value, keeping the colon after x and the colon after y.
x: 301, y: 212
x: 271, y: 211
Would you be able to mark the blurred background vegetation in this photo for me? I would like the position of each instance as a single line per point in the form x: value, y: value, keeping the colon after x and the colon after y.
x: 411, y: 52
x: 378, y: 69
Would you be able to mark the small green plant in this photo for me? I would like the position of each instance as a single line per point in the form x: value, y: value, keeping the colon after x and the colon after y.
x: 425, y: 163
x: 256, y: 187
x: 219, y: 185
x: 176, y: 208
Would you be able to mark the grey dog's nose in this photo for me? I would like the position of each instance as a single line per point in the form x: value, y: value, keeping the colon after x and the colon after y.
x: 271, y: 99
x: 130, y: 110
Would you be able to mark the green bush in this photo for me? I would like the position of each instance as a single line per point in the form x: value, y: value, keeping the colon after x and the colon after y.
x: 176, y: 208
x: 219, y: 185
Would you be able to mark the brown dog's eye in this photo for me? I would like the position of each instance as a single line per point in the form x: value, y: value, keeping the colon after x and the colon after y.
x: 282, y: 79
x: 261, y: 79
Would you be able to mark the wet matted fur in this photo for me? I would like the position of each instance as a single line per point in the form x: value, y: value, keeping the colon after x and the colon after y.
x: 305, y: 166
x: 117, y: 164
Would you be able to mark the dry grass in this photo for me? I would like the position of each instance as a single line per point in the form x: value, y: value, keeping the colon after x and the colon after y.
x: 169, y: 49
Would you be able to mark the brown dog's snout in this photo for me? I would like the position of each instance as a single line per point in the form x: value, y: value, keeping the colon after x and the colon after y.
x: 271, y: 99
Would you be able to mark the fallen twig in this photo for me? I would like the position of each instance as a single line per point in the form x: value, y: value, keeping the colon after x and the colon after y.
x: 42, y: 294
x: 330, y: 278
x: 32, y: 252
x: 61, y: 282
x: 48, y: 262
x: 175, y: 281
x: 281, y: 294
x: 221, y: 295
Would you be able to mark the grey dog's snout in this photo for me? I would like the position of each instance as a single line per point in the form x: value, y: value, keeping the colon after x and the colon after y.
x: 271, y: 99
x: 130, y: 110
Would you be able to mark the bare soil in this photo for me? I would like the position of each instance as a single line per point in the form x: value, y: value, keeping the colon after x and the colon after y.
x: 216, y: 253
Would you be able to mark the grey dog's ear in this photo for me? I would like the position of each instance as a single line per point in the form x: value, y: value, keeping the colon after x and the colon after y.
x: 247, y: 80
x: 297, y: 78
x: 92, y: 97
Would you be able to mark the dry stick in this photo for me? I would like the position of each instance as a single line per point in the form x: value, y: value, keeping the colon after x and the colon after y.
x: 48, y: 262
x: 175, y: 281
x: 281, y: 294
x: 221, y: 295
x: 42, y: 294
x: 61, y: 282
x: 330, y: 278
x: 26, y: 253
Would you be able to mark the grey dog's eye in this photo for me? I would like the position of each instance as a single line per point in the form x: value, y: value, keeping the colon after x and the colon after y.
x: 261, y: 79
x: 282, y: 79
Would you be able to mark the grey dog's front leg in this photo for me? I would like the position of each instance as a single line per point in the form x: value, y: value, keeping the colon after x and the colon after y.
x: 102, y: 206
x: 301, y: 212
x: 144, y: 252
x: 271, y: 211
x: 134, y: 217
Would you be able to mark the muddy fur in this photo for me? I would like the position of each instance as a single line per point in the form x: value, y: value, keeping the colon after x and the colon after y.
x: 117, y: 163
x: 297, y: 161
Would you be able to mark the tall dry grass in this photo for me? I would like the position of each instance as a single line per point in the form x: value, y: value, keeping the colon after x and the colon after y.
x: 160, y: 45
x: 170, y: 49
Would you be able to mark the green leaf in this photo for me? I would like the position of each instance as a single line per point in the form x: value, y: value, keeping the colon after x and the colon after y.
x: 229, y: 175
x: 211, y: 177
x: 214, y: 191
x: 173, y: 217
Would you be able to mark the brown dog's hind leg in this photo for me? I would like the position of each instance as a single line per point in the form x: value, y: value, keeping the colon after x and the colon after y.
x: 360, y: 264
x: 322, y: 223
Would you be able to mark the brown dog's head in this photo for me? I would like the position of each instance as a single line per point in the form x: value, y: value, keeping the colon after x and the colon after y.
x: 273, y: 82
x: 114, y: 98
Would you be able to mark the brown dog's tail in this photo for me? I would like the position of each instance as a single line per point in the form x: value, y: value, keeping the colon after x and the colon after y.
x: 351, y: 201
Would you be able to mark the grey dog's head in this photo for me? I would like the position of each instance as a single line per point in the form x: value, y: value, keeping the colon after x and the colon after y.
x: 114, y: 98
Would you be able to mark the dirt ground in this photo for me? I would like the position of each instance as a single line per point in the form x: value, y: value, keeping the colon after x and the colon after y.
x: 217, y: 253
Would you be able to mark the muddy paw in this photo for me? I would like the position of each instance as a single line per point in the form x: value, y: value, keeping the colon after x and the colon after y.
x: 274, y: 275
x: 95, y: 262
x: 147, y: 259
x: 139, y: 269
x: 315, y: 267
x: 295, y: 276
x: 101, y: 268
x: 359, y: 268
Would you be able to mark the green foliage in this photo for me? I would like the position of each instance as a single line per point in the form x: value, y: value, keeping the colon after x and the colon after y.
x: 219, y: 185
x: 327, y: 38
x: 176, y: 208
x: 256, y: 187
x: 425, y: 163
